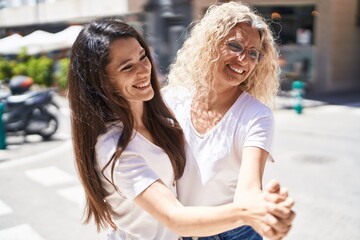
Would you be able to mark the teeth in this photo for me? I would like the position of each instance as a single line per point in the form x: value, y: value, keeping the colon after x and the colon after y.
x: 236, y: 69
x: 143, y: 84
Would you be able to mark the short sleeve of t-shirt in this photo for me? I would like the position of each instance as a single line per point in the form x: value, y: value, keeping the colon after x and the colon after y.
x: 132, y: 174
x: 260, y: 131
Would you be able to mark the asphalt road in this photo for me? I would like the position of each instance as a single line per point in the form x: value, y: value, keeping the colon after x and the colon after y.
x: 316, y: 156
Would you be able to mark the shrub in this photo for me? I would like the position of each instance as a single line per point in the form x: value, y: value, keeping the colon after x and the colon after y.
x: 62, y: 71
x: 40, y: 70
x: 5, y: 69
x: 18, y: 68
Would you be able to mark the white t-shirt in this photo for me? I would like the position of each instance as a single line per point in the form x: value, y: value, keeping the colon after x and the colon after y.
x: 214, y: 158
x: 140, y: 165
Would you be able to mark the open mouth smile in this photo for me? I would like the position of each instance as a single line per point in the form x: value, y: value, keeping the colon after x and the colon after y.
x: 143, y: 84
x: 237, y: 70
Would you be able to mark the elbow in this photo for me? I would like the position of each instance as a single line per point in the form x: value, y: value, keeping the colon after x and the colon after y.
x: 176, y: 224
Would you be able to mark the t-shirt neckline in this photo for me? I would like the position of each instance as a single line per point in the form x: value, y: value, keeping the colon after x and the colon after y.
x: 217, y: 125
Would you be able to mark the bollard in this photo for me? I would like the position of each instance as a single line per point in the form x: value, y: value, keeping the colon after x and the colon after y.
x: 298, y: 94
x: 2, y: 128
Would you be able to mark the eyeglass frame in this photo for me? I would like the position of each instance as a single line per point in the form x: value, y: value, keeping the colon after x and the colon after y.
x: 240, y: 52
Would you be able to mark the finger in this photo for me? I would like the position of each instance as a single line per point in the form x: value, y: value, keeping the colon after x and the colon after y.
x: 267, y: 232
x: 288, y: 221
x: 280, y: 227
x: 288, y: 202
x: 284, y: 192
x: 278, y: 210
x: 274, y: 197
x: 273, y: 187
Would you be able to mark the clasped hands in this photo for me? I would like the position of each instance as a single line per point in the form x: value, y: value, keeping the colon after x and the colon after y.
x: 280, y: 214
x: 271, y: 213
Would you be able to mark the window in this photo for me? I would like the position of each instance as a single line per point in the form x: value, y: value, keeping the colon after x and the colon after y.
x: 291, y: 24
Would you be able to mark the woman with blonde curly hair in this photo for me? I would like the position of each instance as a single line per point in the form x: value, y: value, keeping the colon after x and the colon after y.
x: 221, y: 88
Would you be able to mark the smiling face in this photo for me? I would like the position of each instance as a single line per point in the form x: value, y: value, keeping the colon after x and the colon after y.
x: 239, y: 54
x: 130, y: 70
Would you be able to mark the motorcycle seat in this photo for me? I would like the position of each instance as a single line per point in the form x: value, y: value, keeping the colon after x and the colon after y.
x: 15, y: 99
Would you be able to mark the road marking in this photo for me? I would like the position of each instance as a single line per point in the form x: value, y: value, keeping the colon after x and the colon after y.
x: 50, y: 176
x: 4, y: 209
x: 73, y: 194
x: 20, y: 232
x: 37, y: 157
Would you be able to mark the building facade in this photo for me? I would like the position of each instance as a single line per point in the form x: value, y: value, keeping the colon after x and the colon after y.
x: 319, y: 40
x: 330, y: 55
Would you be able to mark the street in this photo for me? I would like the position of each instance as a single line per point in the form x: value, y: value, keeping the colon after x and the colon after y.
x: 316, y: 157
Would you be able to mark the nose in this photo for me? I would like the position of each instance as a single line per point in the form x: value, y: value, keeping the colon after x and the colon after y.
x: 144, y: 70
x: 243, y: 57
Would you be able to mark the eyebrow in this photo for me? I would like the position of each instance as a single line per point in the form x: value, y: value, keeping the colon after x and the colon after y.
x: 129, y: 60
x: 240, y: 41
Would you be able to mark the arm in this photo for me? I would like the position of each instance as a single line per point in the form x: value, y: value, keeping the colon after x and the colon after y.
x: 249, y: 192
x: 251, y: 171
x: 249, y: 185
x: 160, y: 202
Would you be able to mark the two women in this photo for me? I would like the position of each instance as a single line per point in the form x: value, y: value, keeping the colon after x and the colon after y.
x: 130, y: 150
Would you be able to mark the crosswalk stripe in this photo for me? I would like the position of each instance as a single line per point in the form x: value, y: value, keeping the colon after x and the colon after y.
x: 20, y: 232
x: 4, y: 209
x: 74, y: 194
x: 50, y: 176
x: 66, y: 146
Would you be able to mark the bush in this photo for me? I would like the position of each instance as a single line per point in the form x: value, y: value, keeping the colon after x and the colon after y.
x: 40, y: 70
x: 62, y: 71
x: 18, y: 68
x: 5, y: 69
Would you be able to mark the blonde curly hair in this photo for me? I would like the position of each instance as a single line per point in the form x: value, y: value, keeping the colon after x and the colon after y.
x: 195, y: 63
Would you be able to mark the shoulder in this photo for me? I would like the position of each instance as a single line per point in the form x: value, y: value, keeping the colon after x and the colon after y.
x: 253, y: 106
x: 177, y: 99
x: 111, y: 134
x: 175, y: 94
x: 106, y: 143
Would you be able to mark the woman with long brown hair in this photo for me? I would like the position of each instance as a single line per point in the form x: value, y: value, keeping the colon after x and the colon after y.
x: 129, y: 148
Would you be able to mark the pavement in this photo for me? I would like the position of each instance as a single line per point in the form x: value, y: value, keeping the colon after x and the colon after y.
x: 315, y: 157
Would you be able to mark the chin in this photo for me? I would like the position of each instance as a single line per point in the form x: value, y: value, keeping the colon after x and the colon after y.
x: 151, y: 96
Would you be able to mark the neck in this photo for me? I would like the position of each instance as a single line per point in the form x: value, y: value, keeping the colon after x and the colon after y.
x: 140, y: 127
x: 220, y: 100
x: 138, y: 111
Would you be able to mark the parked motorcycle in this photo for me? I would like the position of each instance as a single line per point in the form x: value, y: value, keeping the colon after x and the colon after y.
x: 32, y: 112
x: 16, y: 85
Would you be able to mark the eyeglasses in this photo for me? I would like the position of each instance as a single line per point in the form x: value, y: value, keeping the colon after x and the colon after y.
x: 254, y: 54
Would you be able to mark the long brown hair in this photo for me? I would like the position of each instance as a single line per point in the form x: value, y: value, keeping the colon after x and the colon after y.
x: 93, y: 103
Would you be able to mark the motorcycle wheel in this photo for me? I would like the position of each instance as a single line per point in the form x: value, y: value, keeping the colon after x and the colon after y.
x: 49, y: 131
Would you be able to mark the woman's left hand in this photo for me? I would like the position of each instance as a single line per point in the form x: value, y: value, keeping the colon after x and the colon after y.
x: 280, y: 209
